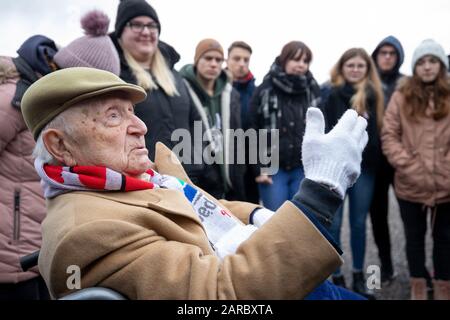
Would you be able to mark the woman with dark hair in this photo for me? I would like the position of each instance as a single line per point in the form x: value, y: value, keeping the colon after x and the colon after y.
x: 416, y: 141
x: 280, y: 102
x: 355, y: 84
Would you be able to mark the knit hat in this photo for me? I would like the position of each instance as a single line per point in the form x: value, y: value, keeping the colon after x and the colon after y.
x: 94, y: 50
x: 129, y: 9
x: 206, y: 45
x: 59, y: 90
x: 429, y: 47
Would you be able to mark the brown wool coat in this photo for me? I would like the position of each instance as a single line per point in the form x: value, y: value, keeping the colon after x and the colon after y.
x: 151, y: 245
x: 419, y: 152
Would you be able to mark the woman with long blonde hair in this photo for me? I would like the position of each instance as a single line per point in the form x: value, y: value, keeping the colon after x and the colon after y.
x: 149, y: 63
x: 355, y: 84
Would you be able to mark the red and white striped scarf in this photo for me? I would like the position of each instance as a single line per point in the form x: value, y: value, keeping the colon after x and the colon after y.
x: 225, y: 232
x: 61, y: 179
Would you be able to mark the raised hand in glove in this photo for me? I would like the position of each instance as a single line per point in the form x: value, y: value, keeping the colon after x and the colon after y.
x: 334, y: 159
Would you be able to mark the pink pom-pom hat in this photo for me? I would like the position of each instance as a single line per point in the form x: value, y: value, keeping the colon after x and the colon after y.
x: 94, y: 50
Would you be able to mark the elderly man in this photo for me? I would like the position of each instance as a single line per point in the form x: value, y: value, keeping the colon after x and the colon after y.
x: 144, y: 230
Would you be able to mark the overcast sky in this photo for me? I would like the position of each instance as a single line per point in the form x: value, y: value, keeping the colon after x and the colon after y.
x: 328, y: 27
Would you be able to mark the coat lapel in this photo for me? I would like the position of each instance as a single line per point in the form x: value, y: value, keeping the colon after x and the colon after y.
x: 166, y: 162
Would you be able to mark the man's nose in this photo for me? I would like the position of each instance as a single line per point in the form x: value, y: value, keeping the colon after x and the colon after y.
x: 137, y: 126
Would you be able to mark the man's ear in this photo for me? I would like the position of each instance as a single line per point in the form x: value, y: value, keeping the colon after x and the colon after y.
x: 57, y: 145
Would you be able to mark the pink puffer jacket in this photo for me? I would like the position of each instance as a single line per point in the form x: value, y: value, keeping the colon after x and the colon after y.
x: 22, y: 206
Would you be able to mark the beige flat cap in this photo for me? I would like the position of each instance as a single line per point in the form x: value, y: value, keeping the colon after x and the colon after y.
x: 57, y: 91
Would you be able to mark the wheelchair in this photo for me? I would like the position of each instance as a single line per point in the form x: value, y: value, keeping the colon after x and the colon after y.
x: 93, y: 293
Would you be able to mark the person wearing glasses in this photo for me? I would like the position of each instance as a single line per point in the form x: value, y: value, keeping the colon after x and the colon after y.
x: 219, y: 106
x: 355, y: 84
x: 388, y: 57
x: 149, y: 63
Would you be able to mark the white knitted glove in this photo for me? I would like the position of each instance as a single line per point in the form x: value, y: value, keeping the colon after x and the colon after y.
x: 334, y: 159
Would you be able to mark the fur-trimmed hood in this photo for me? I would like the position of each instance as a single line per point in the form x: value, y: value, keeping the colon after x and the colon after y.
x: 8, y: 71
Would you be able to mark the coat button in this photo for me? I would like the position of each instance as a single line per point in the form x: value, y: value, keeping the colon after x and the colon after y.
x: 291, y: 123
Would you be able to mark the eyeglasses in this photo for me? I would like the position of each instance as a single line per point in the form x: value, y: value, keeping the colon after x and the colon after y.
x: 392, y: 53
x: 139, y: 27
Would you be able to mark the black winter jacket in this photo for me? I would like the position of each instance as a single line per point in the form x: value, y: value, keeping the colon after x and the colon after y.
x: 389, y: 81
x: 336, y: 102
x: 216, y: 175
x: 287, y: 114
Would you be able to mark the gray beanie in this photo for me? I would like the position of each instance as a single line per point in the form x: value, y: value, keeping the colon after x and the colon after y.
x: 429, y: 47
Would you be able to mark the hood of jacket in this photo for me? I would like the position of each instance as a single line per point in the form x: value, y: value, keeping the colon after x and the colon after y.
x: 8, y: 70
x: 31, y: 63
x: 36, y: 50
x: 392, y: 41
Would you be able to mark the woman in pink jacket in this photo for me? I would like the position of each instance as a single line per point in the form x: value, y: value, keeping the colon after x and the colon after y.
x: 22, y: 206
x: 416, y: 141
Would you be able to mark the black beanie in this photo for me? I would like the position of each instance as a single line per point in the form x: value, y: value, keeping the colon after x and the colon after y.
x: 129, y: 9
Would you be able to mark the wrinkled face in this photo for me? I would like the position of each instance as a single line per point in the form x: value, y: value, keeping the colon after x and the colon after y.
x: 297, y: 66
x: 238, y: 62
x: 209, y: 65
x: 386, y: 58
x: 108, y: 133
x: 140, y: 38
x: 427, y: 68
x: 354, y: 70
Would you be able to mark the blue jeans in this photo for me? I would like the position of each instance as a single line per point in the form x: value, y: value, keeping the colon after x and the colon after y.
x: 360, y: 198
x: 285, y: 186
x: 329, y: 291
